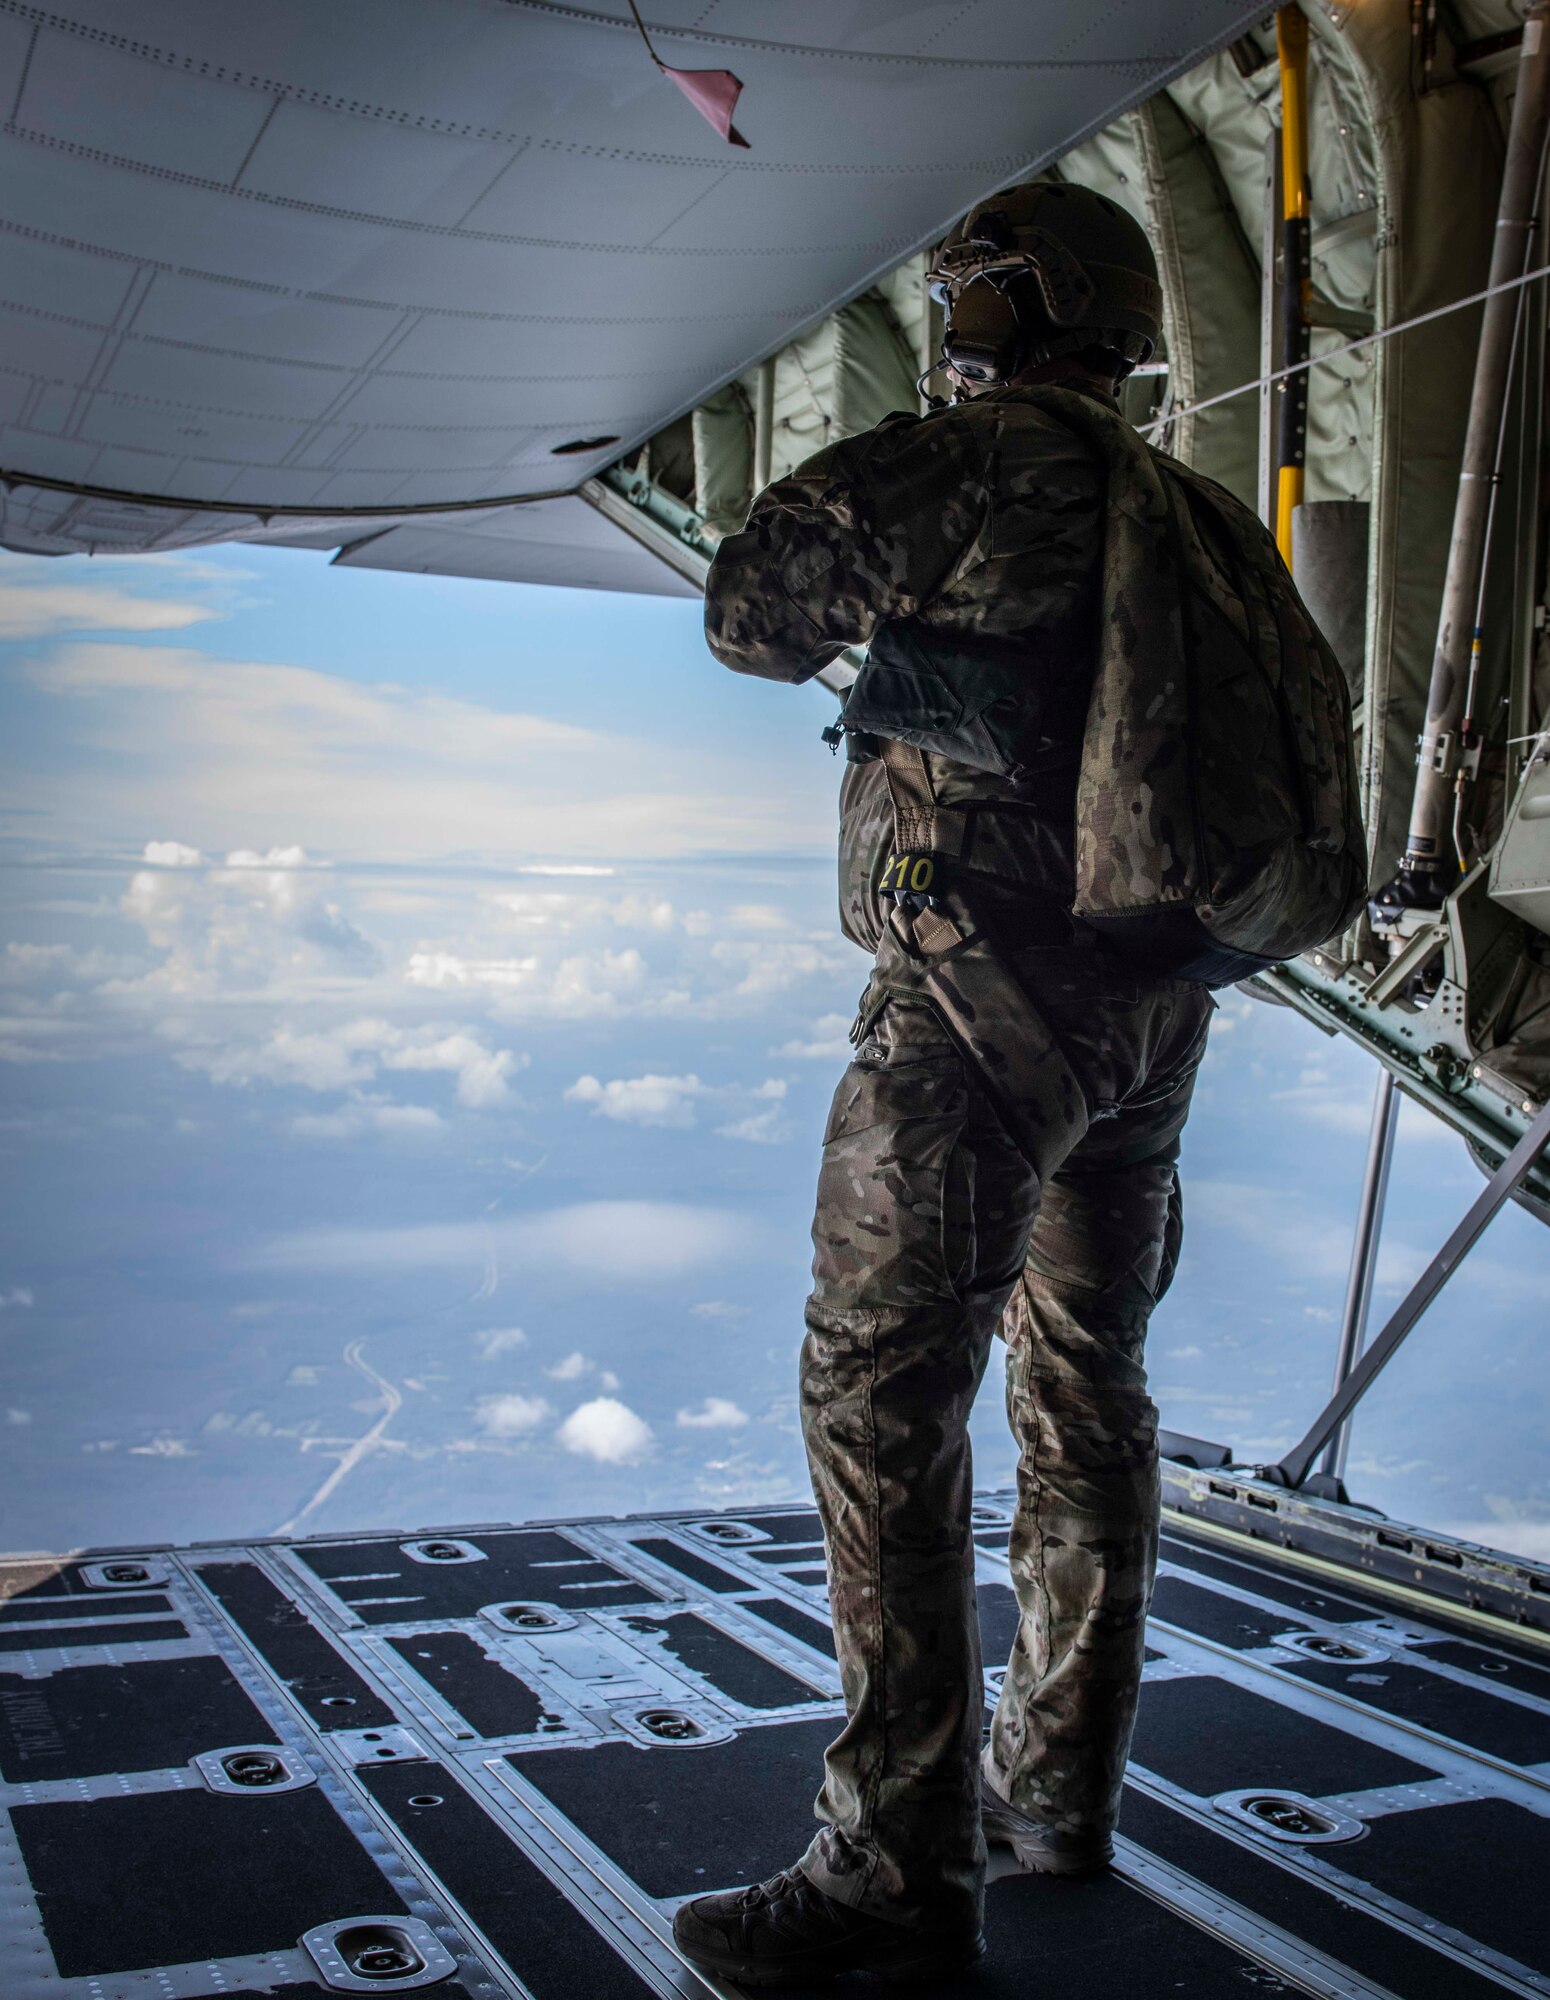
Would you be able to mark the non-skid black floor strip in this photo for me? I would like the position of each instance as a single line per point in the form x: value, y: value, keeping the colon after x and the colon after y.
x: 99, y: 1605
x: 1481, y: 1866
x: 1493, y: 1668
x: 81, y: 1636
x: 680, y: 1823
x: 330, y: 1690
x: 385, y: 1586
x: 1209, y: 1736
x: 1214, y: 1615
x: 736, y: 1670
x: 491, y: 1699
x: 1278, y: 1585
x: 999, y: 1617
x: 709, y: 1576
x: 801, y: 1527
x: 700, y: 1816
x: 1103, y: 1938
x: 551, y: 1946
x: 1318, y: 1916
x: 145, y: 1715
x: 1471, y: 1716
x: 812, y: 1628
x: 169, y: 1878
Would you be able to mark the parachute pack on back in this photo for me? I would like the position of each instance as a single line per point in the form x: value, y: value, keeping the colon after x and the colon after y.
x: 1218, y: 823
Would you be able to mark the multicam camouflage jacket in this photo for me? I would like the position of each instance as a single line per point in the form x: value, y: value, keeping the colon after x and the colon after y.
x: 975, y: 535
x: 1097, y: 651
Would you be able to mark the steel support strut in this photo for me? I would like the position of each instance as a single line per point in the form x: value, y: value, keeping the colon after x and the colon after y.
x: 1293, y: 1469
x: 1432, y: 808
x: 1364, y: 1258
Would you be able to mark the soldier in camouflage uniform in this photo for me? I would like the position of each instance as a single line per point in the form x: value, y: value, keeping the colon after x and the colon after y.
x: 1001, y: 1152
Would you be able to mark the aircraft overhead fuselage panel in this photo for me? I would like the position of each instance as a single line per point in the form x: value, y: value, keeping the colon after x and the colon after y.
x: 272, y: 265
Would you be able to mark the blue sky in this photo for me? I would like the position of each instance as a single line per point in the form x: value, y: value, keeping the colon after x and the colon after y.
x: 421, y: 1003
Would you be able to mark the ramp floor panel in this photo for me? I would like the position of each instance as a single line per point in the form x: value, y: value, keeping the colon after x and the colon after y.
x: 538, y: 1929
x: 171, y: 1877
x: 1260, y: 1880
x: 1492, y: 1667
x: 1227, y: 1620
x: 83, y: 1722
x: 694, y: 1816
x: 733, y: 1669
x: 33, y: 1610
x: 98, y: 1633
x: 535, y: 1741
x: 381, y: 1584
x: 1510, y: 1730
x: 487, y: 1694
x: 333, y: 1693
x: 1482, y: 1867
x: 709, y: 1576
x: 1209, y: 1736
x: 811, y: 1626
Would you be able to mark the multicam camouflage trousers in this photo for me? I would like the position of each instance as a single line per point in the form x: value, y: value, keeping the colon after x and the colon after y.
x: 1002, y: 1143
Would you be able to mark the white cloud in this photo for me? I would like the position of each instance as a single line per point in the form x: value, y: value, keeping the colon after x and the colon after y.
x: 828, y: 1041
x: 564, y: 910
x: 277, y: 857
x: 607, y: 1430
x: 14, y: 1416
x: 669, y: 1101
x: 571, y: 1369
x: 759, y: 917
x: 1188, y: 1353
x: 445, y: 968
x: 719, y: 1309
x: 763, y: 973
x: 511, y: 1415
x: 609, y: 1380
x: 83, y: 604
x: 352, y: 1054
x: 562, y: 868
x: 240, y: 931
x: 267, y: 754
x: 305, y: 1375
x: 26, y: 962
x: 497, y: 1340
x: 172, y: 854
x: 600, y: 1242
x: 16, y: 1295
x: 1291, y: 1236
x: 1323, y: 1103
x: 640, y: 1100
x: 762, y: 1128
x: 163, y: 1447
x: 482, y: 1074
x: 716, y: 1413
x: 368, y: 1115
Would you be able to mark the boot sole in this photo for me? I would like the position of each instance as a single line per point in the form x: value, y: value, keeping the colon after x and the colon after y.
x: 896, y: 1965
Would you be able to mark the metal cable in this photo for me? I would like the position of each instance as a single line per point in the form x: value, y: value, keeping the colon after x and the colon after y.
x: 1350, y: 347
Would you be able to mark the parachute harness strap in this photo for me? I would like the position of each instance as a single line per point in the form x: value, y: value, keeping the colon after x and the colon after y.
x: 924, y: 833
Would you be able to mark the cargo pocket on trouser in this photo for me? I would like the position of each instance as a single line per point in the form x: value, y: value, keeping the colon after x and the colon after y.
x: 894, y: 1221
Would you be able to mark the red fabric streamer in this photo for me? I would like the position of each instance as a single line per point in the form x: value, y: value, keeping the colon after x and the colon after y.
x: 712, y: 92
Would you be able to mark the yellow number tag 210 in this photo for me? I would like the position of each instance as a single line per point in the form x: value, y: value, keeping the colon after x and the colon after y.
x: 910, y: 874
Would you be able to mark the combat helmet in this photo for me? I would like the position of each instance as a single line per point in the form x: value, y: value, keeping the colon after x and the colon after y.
x: 1045, y: 269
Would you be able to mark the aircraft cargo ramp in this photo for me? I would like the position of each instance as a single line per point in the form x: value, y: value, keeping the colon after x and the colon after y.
x: 489, y: 1761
